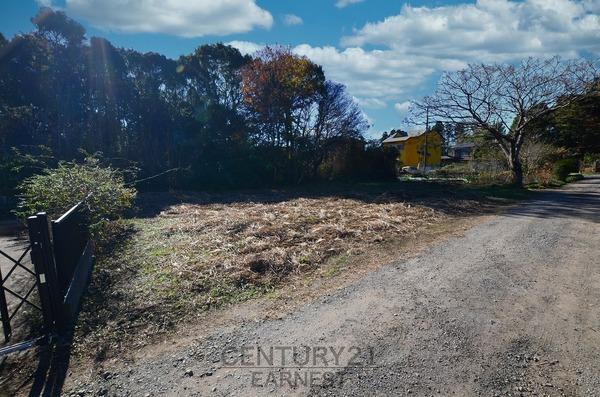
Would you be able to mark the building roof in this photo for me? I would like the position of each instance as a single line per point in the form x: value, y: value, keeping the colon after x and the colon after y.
x: 463, y: 145
x: 394, y: 139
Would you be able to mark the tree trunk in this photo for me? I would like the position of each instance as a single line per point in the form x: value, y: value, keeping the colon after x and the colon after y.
x: 516, y: 167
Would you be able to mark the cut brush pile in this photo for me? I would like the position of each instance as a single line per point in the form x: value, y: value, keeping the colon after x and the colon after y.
x: 197, y: 252
x: 251, y: 243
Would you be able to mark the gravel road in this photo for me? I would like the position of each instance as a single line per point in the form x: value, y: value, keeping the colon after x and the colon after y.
x: 509, y: 308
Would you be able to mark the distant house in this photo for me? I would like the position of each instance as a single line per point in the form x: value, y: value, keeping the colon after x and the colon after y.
x: 461, y: 151
x: 422, y: 151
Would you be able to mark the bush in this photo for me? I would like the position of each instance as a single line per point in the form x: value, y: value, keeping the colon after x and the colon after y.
x: 492, y: 178
x: 455, y: 170
x: 538, y: 159
x: 590, y: 163
x: 353, y: 160
x: 56, y: 190
x: 562, y: 168
x: 590, y: 158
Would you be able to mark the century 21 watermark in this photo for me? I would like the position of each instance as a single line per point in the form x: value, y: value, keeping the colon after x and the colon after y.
x: 297, y: 366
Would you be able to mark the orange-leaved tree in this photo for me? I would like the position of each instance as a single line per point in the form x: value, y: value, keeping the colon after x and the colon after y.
x: 279, y: 88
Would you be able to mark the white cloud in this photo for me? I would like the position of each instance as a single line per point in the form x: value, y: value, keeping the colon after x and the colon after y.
x: 376, y: 73
x: 402, y: 108
x: 246, y: 47
x: 44, y: 3
x: 346, y: 3
x: 292, y: 20
x: 489, y: 30
x: 186, y: 18
x: 371, y: 103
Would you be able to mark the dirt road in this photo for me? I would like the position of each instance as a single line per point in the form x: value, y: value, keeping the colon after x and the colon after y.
x: 510, y: 308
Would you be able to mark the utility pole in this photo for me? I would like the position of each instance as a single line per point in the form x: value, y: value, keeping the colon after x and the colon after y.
x: 426, y: 136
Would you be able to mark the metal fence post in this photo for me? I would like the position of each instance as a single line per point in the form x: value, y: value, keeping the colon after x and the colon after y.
x: 34, y: 226
x: 6, y: 327
x: 43, y: 260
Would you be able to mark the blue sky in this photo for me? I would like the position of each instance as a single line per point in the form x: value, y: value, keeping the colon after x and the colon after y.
x: 387, y: 52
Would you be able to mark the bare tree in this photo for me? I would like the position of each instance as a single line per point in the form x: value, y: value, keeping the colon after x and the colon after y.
x: 503, y: 100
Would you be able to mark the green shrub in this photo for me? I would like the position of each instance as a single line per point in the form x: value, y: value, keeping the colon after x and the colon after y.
x: 56, y: 190
x: 455, y: 170
x: 491, y: 178
x: 562, y: 168
x: 589, y: 159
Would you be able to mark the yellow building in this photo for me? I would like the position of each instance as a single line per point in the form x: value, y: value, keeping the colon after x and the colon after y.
x: 422, y: 151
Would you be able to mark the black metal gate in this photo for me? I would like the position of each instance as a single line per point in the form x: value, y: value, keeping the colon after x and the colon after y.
x: 7, y: 313
x: 61, y: 254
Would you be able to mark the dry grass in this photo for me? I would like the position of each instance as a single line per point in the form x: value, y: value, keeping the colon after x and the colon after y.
x: 193, y: 256
x: 249, y: 242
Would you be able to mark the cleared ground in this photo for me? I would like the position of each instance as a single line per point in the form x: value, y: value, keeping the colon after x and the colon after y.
x: 510, y: 308
x: 188, y: 253
x: 190, y: 263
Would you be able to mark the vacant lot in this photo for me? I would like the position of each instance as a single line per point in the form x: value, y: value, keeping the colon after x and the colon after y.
x: 507, y: 308
x: 187, y: 253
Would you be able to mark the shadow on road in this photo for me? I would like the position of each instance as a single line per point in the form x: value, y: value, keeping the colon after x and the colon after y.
x: 37, y: 372
x: 579, y: 200
x: 52, y: 370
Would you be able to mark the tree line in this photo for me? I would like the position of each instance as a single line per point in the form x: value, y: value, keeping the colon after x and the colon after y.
x: 212, y: 119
